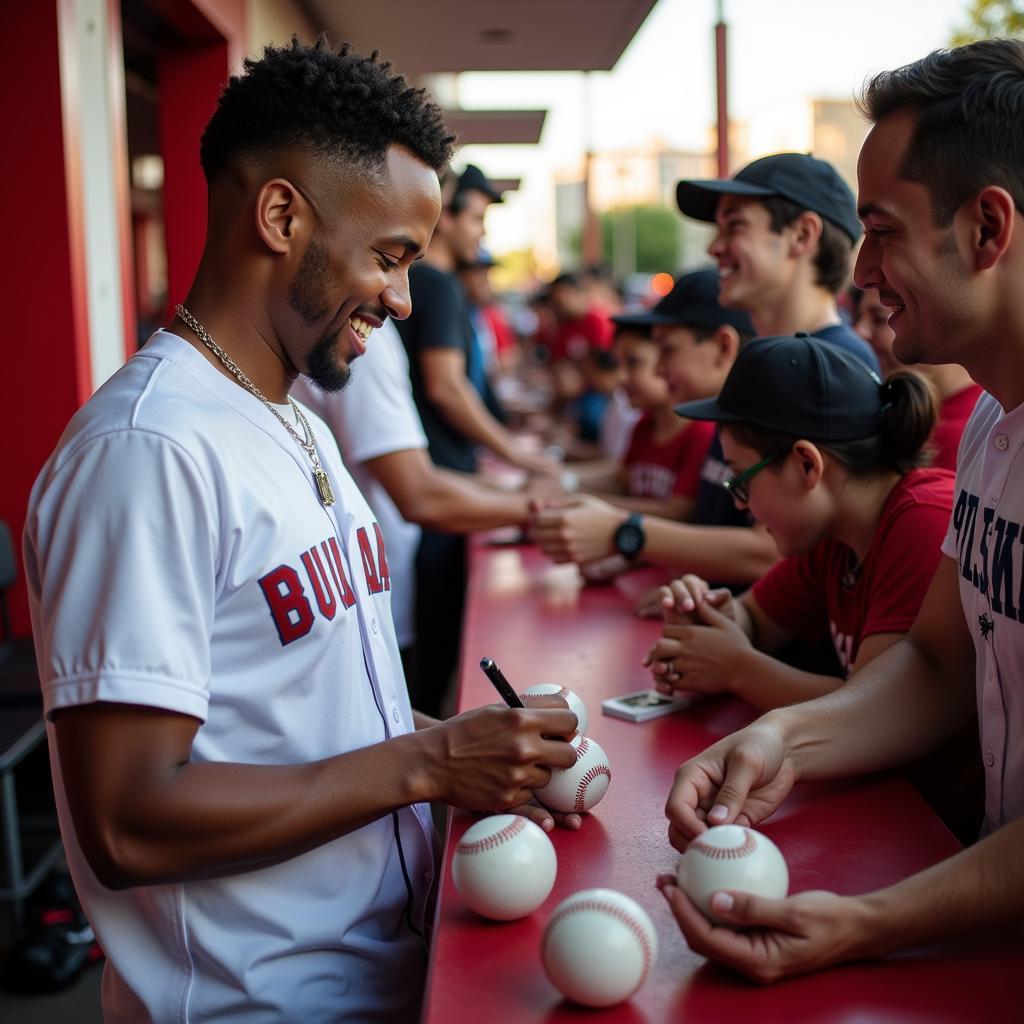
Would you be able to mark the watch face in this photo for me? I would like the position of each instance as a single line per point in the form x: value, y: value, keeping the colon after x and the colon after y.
x: 629, y: 539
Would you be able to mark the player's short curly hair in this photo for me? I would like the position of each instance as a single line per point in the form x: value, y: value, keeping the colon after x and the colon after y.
x: 311, y: 98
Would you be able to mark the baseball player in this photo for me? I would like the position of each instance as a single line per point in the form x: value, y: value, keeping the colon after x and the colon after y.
x: 241, y: 783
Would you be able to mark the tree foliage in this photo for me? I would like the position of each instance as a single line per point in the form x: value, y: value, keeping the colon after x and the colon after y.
x: 991, y: 19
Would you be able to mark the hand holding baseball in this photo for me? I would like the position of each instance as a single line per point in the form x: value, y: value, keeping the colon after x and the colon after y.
x: 770, y: 939
x: 742, y: 778
x: 494, y: 757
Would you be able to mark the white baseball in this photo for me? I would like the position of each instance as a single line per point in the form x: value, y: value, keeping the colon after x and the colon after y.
x: 599, y: 947
x: 504, y: 867
x: 579, y: 788
x: 571, y: 698
x: 734, y: 858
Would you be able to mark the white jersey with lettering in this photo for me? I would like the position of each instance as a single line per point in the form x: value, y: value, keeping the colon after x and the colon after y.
x: 376, y: 415
x: 178, y: 557
x: 986, y: 539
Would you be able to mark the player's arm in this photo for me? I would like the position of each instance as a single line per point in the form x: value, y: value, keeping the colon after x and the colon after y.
x: 448, y: 388
x: 146, y: 813
x: 442, y: 500
x: 676, y: 507
x: 584, y: 529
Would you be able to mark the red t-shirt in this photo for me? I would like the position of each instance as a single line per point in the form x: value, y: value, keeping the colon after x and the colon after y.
x: 673, y: 467
x: 954, y: 413
x: 807, y: 595
x: 575, y: 338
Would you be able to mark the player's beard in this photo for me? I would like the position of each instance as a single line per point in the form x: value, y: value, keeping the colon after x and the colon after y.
x: 308, y: 297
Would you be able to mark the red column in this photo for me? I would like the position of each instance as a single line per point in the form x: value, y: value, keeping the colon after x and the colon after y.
x: 46, y: 373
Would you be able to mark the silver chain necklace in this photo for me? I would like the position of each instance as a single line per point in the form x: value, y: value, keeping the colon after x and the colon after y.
x: 307, y: 443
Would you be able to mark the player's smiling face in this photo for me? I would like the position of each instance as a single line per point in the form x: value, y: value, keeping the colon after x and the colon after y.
x: 354, y: 270
x: 918, y: 267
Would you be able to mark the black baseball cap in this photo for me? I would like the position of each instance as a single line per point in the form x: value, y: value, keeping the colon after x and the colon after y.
x: 798, y: 385
x: 472, y: 179
x: 693, y: 302
x: 799, y: 177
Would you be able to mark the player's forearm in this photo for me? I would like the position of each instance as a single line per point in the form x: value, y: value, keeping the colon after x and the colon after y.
x: 980, y: 888
x: 898, y: 707
x: 456, y: 504
x: 730, y: 554
x: 768, y: 683
x: 206, y: 820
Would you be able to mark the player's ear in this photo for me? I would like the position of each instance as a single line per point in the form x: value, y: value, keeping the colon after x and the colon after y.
x: 727, y: 344
x: 282, y: 216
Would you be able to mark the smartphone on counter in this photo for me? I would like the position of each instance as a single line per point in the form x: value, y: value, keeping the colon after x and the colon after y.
x: 643, y: 705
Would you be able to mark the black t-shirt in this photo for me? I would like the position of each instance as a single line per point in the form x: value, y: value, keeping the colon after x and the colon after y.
x: 439, y: 319
x: 715, y: 506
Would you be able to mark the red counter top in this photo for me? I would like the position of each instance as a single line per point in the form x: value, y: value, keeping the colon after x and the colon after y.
x: 539, y: 625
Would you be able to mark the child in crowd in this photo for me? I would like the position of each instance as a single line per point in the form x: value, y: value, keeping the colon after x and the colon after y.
x: 698, y: 340
x: 830, y: 460
x: 660, y: 471
x: 957, y: 393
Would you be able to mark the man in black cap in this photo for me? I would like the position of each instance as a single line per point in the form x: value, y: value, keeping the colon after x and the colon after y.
x: 698, y: 341
x: 439, y: 340
x: 787, y: 225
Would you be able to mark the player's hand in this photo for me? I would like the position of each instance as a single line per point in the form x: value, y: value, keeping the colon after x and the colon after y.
x: 604, y: 570
x: 547, y: 819
x: 702, y: 658
x: 494, y: 757
x: 741, y: 780
x: 771, y: 939
x: 579, y: 530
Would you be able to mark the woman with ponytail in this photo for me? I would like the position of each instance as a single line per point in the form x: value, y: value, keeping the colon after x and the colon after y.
x: 832, y: 462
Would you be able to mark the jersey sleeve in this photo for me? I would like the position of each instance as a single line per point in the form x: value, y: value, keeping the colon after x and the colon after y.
x: 121, y: 549
x: 907, y: 559
x: 697, y: 443
x: 792, y: 595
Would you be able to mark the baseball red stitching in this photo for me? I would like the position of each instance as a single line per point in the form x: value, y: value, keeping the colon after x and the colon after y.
x: 583, y: 747
x: 588, y: 778
x: 748, y: 846
x: 513, y: 828
x: 620, y: 915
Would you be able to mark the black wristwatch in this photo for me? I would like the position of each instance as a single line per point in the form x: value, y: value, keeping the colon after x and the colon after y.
x: 630, y: 536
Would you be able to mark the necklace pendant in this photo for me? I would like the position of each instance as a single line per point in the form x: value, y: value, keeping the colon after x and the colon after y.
x: 323, y: 485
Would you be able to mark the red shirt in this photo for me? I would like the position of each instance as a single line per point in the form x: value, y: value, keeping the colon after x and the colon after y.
x: 575, y: 338
x: 954, y: 412
x: 673, y: 467
x: 812, y: 593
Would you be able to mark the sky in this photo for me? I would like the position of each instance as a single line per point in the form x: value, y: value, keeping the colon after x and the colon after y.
x: 663, y: 85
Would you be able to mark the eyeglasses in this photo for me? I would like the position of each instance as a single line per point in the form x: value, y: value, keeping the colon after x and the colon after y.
x: 739, y: 485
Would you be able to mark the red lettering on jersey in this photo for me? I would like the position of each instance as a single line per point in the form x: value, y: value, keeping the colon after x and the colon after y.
x: 289, y: 607
x: 382, y: 559
x: 373, y: 582
x: 325, y: 599
x: 348, y: 598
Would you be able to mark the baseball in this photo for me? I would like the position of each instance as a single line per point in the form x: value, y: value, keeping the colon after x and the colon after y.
x: 504, y: 867
x: 571, y: 698
x: 599, y: 947
x: 579, y: 788
x: 731, y: 857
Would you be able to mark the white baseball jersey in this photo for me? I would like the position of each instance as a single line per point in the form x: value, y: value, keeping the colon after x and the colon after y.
x: 376, y: 415
x: 178, y: 557
x: 986, y: 538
